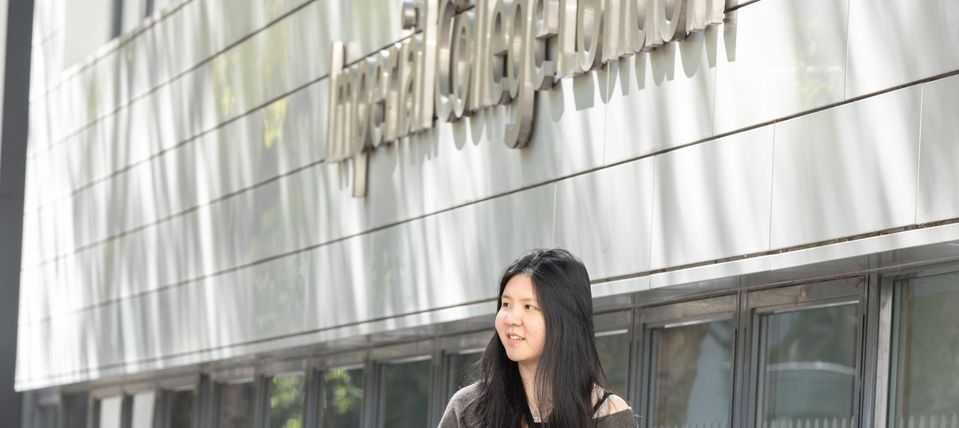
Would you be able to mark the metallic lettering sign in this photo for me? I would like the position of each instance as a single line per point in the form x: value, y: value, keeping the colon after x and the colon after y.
x: 470, y: 55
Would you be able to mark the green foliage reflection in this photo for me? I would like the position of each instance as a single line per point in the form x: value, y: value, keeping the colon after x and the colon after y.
x: 342, y: 398
x: 286, y: 402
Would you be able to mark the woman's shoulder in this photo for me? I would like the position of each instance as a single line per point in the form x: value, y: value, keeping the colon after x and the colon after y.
x: 615, y: 403
x: 455, y: 414
x: 620, y: 419
x: 465, y: 395
x: 614, y: 412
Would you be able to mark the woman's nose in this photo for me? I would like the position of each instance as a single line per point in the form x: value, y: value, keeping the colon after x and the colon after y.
x: 514, y: 318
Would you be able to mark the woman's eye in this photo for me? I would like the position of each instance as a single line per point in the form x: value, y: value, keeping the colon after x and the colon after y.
x: 504, y: 305
x: 530, y: 307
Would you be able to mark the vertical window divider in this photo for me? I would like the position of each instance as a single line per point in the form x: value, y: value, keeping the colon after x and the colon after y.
x: 741, y: 390
x: 750, y: 366
x: 437, y: 383
x: 634, y: 369
x: 126, y: 410
x: 868, y: 353
x: 371, y: 392
x: 638, y: 369
x: 311, y: 398
x: 261, y: 400
x: 203, y: 402
x: 93, y: 416
x: 862, y: 311
x: 889, y: 319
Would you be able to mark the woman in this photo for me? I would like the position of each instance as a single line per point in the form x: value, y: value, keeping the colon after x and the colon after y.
x: 541, y: 367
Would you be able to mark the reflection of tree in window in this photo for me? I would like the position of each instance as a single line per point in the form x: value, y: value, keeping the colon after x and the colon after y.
x: 286, y: 402
x: 342, y: 398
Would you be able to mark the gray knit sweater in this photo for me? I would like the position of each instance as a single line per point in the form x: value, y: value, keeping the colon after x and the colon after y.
x: 456, y: 417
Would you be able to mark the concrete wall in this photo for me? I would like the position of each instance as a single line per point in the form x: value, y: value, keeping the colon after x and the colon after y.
x: 179, y: 210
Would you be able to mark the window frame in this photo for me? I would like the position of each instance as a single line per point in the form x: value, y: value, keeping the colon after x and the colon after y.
x: 447, y: 348
x: 804, y: 296
x: 317, y: 366
x: 675, y: 314
x: 614, y: 322
x: 398, y: 354
x: 264, y: 375
x: 219, y: 379
x: 889, y: 335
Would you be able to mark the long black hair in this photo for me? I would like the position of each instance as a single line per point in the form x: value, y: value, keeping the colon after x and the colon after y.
x: 569, y: 366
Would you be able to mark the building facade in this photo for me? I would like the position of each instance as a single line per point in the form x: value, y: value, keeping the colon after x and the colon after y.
x: 295, y: 212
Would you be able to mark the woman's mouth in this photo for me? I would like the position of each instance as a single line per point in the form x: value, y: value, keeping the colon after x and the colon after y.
x: 513, y: 339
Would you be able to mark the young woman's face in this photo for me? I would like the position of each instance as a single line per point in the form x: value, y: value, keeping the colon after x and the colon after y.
x: 519, y: 322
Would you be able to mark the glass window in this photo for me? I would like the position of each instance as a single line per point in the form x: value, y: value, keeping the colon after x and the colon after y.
x: 463, y: 370
x: 925, y: 365
x: 236, y: 405
x: 342, y: 398
x: 179, y: 409
x: 109, y: 412
x: 405, y: 394
x: 75, y: 410
x: 143, y: 408
x: 613, y: 348
x: 690, y: 371
x: 807, y: 367
x: 45, y: 416
x: 286, y: 401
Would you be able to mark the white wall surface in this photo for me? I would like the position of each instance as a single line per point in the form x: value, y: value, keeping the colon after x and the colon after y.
x: 178, y: 208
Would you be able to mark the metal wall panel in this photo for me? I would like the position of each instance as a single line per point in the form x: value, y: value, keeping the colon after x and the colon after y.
x: 178, y: 40
x: 251, y: 225
x: 267, y: 65
x: 464, y: 161
x: 47, y: 19
x: 46, y: 59
x: 605, y: 218
x: 711, y: 200
x: 938, y: 197
x: 271, y: 220
x: 661, y: 99
x: 892, y: 43
x: 778, y: 58
x: 390, y: 272
x: 261, y: 68
x: 846, y: 171
x: 282, y: 137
